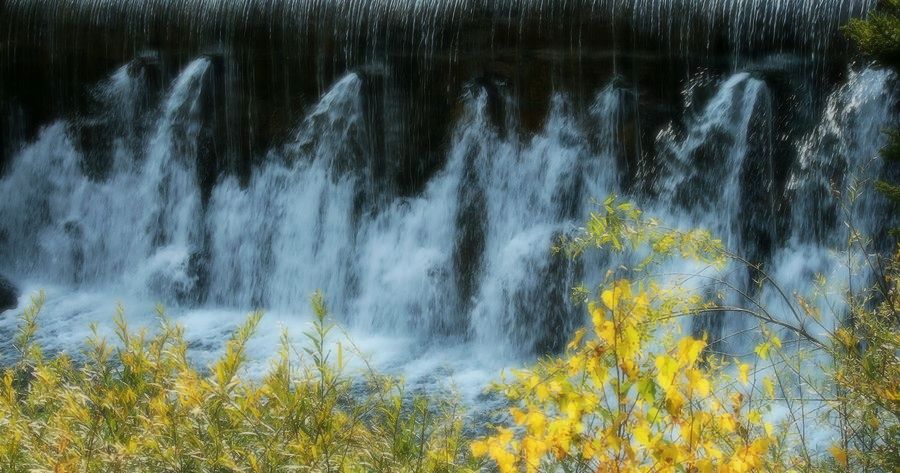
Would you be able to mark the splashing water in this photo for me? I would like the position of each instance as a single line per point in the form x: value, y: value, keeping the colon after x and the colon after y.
x: 457, y: 280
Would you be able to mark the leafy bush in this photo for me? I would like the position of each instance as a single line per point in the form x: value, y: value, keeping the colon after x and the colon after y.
x: 632, y: 394
x: 866, y: 377
x: 615, y: 403
x: 141, y: 406
x: 879, y: 34
x: 867, y: 369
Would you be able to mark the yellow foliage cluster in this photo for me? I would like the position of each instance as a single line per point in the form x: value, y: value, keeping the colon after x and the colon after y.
x: 866, y: 351
x: 627, y: 397
x: 630, y: 394
x: 621, y: 226
x: 140, y: 406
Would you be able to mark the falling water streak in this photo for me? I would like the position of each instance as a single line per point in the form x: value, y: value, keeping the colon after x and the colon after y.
x: 743, y: 24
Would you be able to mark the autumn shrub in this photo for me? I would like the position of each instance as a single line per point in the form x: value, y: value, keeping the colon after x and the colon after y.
x: 139, y: 405
x: 866, y: 379
x: 633, y: 393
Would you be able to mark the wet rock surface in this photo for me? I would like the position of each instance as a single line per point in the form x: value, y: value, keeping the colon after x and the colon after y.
x: 9, y: 295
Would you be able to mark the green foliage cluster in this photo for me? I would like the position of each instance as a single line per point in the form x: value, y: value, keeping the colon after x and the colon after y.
x: 879, y: 34
x: 140, y: 406
x: 878, y: 37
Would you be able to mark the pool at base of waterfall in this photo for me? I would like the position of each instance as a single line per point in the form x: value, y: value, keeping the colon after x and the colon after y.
x: 457, y: 369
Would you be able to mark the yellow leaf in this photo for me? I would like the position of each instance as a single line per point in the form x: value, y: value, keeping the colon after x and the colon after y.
x: 598, y: 316
x: 640, y: 307
x: 759, y: 447
x: 705, y: 466
x: 668, y: 453
x: 666, y: 367
x: 762, y: 350
x: 840, y: 456
x: 612, y: 297
x: 689, y: 350
x: 575, y: 364
x: 607, y: 332
x: 674, y: 402
x: 754, y: 417
x: 505, y: 461
x: 727, y: 423
x: 542, y: 392
x: 776, y: 341
x: 630, y: 368
x: 534, y: 450
x: 642, y: 435
x: 743, y: 373
x: 517, y: 415
x: 629, y: 345
x: 698, y: 383
x: 712, y: 451
x: 576, y: 340
x: 535, y: 421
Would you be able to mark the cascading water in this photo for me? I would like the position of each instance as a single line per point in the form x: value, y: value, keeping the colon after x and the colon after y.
x: 838, y: 156
x: 703, y: 183
x: 140, y: 220
x: 418, y: 174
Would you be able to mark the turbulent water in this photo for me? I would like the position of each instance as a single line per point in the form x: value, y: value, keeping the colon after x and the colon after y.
x: 128, y: 199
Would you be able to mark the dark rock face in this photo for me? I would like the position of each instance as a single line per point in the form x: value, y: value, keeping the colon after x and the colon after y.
x: 9, y: 295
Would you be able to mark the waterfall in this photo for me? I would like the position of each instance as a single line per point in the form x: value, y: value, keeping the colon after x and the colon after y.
x: 704, y: 184
x: 705, y: 167
x: 416, y: 160
x: 133, y: 227
x: 837, y: 159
